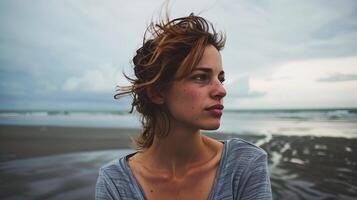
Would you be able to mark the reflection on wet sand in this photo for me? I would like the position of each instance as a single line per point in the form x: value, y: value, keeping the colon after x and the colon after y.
x: 67, y: 176
x: 313, y: 167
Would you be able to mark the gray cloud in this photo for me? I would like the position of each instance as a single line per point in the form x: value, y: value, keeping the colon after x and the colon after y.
x: 240, y: 89
x: 339, y: 78
x: 279, y: 31
x: 45, y: 44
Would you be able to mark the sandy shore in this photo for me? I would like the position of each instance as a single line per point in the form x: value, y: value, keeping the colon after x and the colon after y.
x: 18, y: 142
x: 63, y: 162
x: 31, y: 141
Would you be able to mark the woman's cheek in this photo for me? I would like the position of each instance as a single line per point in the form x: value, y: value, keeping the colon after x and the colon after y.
x: 192, y: 94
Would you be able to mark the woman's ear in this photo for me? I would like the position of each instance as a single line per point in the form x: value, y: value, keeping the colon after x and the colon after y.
x: 155, y: 95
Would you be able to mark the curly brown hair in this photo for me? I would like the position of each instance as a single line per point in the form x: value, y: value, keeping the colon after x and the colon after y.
x: 171, y: 53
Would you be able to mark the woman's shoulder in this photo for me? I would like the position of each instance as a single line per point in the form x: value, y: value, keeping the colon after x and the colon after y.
x: 242, y: 152
x: 237, y: 145
x: 114, y: 181
x: 115, y: 169
x: 244, y: 170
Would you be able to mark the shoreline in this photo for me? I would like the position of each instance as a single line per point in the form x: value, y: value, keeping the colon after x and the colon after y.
x: 29, y: 141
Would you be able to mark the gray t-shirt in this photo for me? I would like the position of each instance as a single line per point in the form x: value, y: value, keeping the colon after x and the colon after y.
x: 242, y: 174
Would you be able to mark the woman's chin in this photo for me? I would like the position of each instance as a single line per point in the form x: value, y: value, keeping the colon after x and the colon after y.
x: 211, y: 126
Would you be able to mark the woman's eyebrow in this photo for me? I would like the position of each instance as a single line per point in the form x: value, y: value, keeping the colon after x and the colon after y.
x: 208, y: 70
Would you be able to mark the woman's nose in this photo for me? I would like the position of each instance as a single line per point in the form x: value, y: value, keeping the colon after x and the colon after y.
x: 218, y: 91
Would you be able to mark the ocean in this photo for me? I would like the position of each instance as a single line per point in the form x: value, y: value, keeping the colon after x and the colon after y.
x: 298, y: 122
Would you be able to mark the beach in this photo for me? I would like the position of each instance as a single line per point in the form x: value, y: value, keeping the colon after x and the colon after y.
x: 19, y: 142
x: 51, y: 162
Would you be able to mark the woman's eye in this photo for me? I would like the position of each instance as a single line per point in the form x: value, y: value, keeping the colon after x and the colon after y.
x: 222, y: 80
x: 200, y: 77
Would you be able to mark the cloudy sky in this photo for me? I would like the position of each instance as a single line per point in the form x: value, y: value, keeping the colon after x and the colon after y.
x: 279, y: 53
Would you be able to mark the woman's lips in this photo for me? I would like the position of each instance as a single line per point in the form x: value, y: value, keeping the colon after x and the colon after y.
x: 216, y: 110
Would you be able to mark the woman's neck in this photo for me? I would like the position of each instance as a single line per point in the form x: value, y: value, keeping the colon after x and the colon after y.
x: 180, y: 150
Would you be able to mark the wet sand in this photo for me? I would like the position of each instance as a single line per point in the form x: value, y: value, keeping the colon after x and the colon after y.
x: 39, y: 162
x: 313, y: 167
x: 18, y: 142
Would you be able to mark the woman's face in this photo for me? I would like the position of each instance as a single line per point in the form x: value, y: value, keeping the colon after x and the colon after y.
x: 197, y: 100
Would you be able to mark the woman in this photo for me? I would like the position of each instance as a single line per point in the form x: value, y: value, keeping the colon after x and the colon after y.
x: 178, y: 90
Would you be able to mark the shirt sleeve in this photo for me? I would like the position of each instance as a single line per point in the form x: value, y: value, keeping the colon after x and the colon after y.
x: 103, y: 189
x: 257, y: 180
